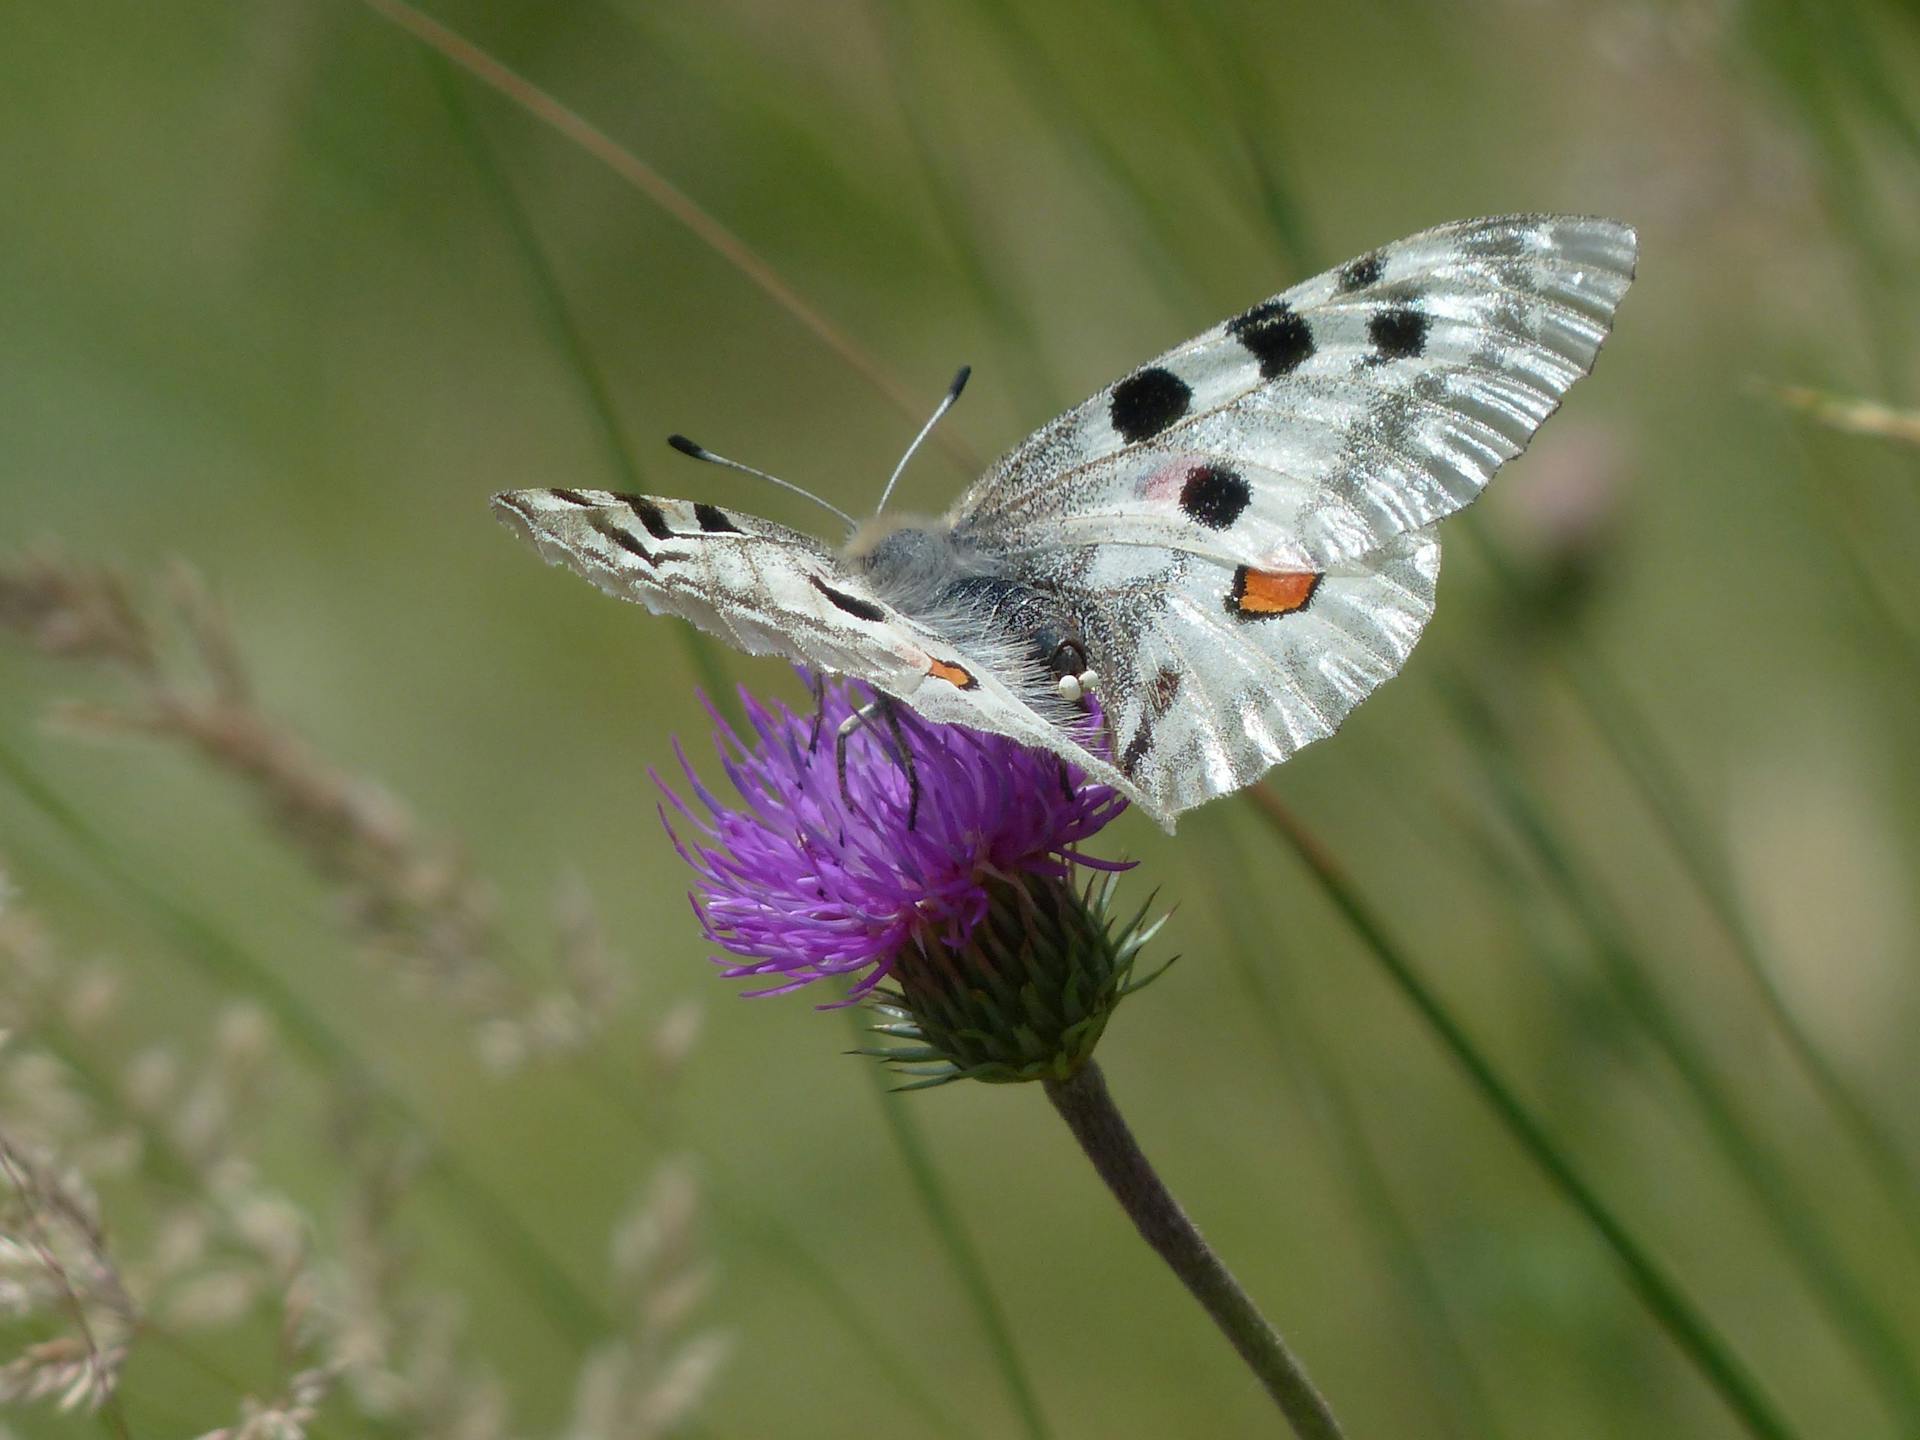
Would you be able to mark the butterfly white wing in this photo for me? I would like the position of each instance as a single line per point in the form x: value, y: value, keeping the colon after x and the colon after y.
x: 1368, y: 401
x: 1213, y: 673
x: 1240, y: 527
x: 769, y: 590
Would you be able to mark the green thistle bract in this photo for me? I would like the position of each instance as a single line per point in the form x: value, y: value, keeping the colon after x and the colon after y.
x: 1028, y: 995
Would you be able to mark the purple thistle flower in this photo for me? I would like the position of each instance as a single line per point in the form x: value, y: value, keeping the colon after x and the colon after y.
x: 800, y: 884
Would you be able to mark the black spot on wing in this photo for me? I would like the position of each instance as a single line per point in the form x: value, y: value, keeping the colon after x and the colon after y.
x: 1399, y: 333
x: 1276, y: 335
x: 1137, y: 748
x: 1360, y: 273
x: 1214, y: 496
x: 713, y: 520
x: 572, y: 497
x: 1147, y: 402
x: 852, y: 604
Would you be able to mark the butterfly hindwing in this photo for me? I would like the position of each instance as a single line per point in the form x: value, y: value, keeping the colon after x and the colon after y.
x: 1212, y: 673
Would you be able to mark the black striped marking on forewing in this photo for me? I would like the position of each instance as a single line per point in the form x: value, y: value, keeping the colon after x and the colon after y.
x: 713, y: 520
x: 852, y: 604
x: 649, y: 515
x: 611, y: 531
x: 626, y: 540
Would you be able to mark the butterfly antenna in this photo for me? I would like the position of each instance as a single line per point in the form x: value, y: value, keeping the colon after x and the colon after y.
x: 946, y: 404
x: 700, y: 452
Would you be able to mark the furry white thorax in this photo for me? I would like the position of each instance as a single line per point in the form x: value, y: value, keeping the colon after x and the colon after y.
x: 911, y: 559
x: 919, y: 565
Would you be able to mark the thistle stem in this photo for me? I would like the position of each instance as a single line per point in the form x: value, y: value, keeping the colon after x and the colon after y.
x: 1086, y: 1104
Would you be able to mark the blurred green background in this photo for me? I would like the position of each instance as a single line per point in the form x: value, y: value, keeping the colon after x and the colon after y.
x: 283, y: 296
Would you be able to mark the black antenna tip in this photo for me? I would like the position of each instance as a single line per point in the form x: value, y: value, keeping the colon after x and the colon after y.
x: 959, y: 382
x: 686, y: 446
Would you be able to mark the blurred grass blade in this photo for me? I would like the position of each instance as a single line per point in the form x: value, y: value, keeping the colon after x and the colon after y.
x: 664, y: 194
x: 1051, y: 93
x: 1870, y: 1334
x: 1658, y: 782
x: 993, y: 290
x: 228, y: 964
x: 705, y: 656
x: 1830, y: 66
x: 1299, y: 1051
x: 1165, y: 248
x: 1684, y: 1324
x: 878, y: 1348
x: 1248, y: 115
x: 1846, y: 412
x: 1875, y: 569
x: 1657, y: 779
x: 543, y: 281
x: 952, y: 1234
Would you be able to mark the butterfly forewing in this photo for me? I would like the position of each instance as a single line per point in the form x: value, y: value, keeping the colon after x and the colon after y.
x: 770, y: 590
x: 1365, y: 402
x: 746, y: 580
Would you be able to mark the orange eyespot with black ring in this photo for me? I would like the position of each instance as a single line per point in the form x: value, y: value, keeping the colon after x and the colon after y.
x: 1263, y: 594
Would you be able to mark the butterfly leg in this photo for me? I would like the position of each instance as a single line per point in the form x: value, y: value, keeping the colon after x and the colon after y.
x: 882, y: 708
x: 817, y: 683
x: 905, y: 757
